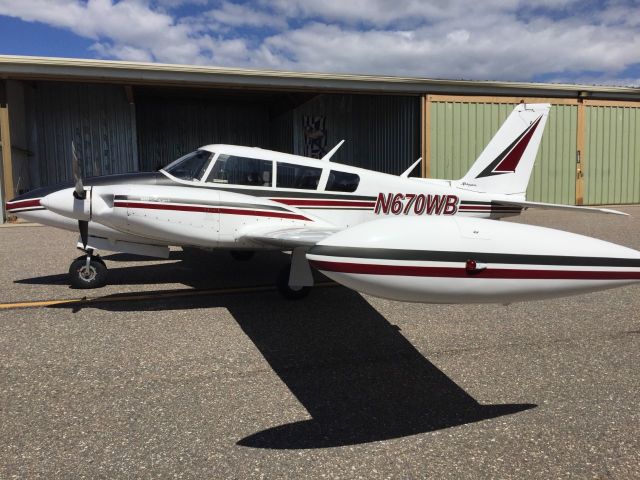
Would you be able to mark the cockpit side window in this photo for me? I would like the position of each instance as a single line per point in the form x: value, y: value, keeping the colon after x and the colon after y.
x: 342, y: 181
x: 190, y: 167
x: 297, y: 176
x: 241, y: 171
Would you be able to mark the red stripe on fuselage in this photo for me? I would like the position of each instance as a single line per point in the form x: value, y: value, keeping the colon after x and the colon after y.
x: 204, y: 209
x: 453, y: 272
x: 324, y: 203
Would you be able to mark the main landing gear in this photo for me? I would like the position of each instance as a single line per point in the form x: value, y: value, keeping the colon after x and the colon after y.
x: 88, y: 271
x: 294, y: 292
x: 294, y: 281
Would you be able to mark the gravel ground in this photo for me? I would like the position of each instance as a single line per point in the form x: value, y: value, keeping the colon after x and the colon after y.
x: 336, y: 386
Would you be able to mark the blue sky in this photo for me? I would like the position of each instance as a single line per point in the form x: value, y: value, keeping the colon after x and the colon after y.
x: 593, y: 42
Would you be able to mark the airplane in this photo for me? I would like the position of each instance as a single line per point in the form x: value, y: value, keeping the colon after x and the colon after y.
x: 397, y: 237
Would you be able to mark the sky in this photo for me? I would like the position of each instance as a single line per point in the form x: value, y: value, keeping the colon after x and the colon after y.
x: 558, y: 41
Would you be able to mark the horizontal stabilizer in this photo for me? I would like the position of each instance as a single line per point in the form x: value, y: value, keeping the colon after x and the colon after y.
x: 555, y: 206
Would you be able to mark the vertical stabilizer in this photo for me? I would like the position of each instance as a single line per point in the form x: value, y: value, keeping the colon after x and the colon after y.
x: 505, y: 165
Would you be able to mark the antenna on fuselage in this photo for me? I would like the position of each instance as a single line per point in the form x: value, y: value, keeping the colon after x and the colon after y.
x: 406, y: 173
x: 328, y: 156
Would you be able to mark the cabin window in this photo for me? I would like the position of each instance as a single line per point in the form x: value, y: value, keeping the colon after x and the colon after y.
x: 291, y: 175
x: 342, y: 181
x: 190, y: 167
x: 241, y: 171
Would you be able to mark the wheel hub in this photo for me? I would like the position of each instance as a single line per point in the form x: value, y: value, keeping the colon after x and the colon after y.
x: 87, y: 273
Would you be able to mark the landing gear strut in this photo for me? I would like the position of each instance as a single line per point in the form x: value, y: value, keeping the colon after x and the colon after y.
x: 88, y: 271
x: 290, y: 292
x: 294, y: 282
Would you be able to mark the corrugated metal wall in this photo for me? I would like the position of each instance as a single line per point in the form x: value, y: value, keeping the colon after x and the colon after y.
x: 459, y: 131
x: 381, y: 132
x: 612, y: 156
x: 96, y: 117
x: 554, y: 173
x: 170, y: 128
x: 281, y: 133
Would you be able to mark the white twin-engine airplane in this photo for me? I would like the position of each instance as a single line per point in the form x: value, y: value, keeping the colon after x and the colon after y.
x: 409, y: 239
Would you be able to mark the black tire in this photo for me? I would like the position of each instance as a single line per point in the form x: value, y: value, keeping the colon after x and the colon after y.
x: 242, y: 255
x: 93, y: 277
x: 282, y: 282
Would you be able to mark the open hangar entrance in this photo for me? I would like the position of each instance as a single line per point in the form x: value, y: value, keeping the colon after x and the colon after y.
x: 382, y: 132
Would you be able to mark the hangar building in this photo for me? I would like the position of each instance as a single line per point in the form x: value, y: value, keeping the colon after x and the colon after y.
x: 125, y: 116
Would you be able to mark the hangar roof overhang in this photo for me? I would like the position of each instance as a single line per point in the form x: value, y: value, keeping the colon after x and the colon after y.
x: 135, y: 73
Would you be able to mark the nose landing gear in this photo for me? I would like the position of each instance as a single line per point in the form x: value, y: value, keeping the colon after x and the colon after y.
x: 88, y: 271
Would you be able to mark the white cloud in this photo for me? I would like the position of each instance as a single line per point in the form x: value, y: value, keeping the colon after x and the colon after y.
x: 493, y: 39
x: 234, y: 14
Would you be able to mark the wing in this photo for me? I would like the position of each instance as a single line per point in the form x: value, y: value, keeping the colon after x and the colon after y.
x: 554, y: 206
x: 290, y: 237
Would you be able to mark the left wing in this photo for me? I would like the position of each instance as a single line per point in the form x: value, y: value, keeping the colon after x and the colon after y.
x: 290, y: 237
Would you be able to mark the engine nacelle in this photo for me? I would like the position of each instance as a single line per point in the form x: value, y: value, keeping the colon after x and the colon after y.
x: 468, y: 260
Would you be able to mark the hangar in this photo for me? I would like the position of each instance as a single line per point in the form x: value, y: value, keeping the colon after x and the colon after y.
x: 126, y: 116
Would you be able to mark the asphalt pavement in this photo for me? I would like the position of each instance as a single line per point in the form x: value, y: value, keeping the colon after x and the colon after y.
x: 180, y: 368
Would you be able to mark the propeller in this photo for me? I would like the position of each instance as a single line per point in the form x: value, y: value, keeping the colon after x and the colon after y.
x: 81, y: 194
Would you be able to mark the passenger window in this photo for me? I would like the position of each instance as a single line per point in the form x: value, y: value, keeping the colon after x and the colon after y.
x: 241, y: 171
x: 342, y: 181
x: 297, y: 176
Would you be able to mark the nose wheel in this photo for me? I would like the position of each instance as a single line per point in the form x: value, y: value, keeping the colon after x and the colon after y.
x: 88, y: 271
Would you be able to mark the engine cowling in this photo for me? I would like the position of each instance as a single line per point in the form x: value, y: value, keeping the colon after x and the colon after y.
x: 468, y: 260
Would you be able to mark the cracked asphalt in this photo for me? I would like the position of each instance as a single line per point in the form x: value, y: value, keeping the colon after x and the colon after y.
x: 339, y: 385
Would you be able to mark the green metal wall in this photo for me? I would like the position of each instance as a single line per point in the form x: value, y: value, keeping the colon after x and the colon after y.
x: 612, y: 155
x: 460, y: 131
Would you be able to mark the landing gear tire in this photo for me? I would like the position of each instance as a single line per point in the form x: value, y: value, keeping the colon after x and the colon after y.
x: 242, y: 255
x: 83, y: 276
x: 282, y: 282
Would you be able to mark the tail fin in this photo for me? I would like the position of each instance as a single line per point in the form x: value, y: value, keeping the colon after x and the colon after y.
x: 505, y: 165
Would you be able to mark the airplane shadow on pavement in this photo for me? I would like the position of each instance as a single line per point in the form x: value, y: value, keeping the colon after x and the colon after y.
x: 355, y: 373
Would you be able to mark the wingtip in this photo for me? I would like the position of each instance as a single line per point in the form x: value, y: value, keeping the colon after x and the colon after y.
x: 615, y: 212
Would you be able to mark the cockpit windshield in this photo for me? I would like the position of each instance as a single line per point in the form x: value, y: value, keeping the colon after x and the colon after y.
x: 190, y: 167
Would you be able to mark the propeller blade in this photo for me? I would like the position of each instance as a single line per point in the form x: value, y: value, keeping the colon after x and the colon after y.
x: 83, y: 226
x: 79, y: 192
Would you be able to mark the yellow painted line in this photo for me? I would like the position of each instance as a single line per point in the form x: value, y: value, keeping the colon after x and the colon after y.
x: 153, y: 295
x: 41, y: 303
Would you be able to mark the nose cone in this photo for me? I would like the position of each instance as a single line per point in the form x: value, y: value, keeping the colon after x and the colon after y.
x: 64, y: 203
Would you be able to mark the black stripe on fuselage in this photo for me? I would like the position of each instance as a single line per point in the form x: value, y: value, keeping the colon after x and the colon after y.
x: 141, y: 178
x: 275, y: 193
x: 131, y: 198
x: 483, y: 257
